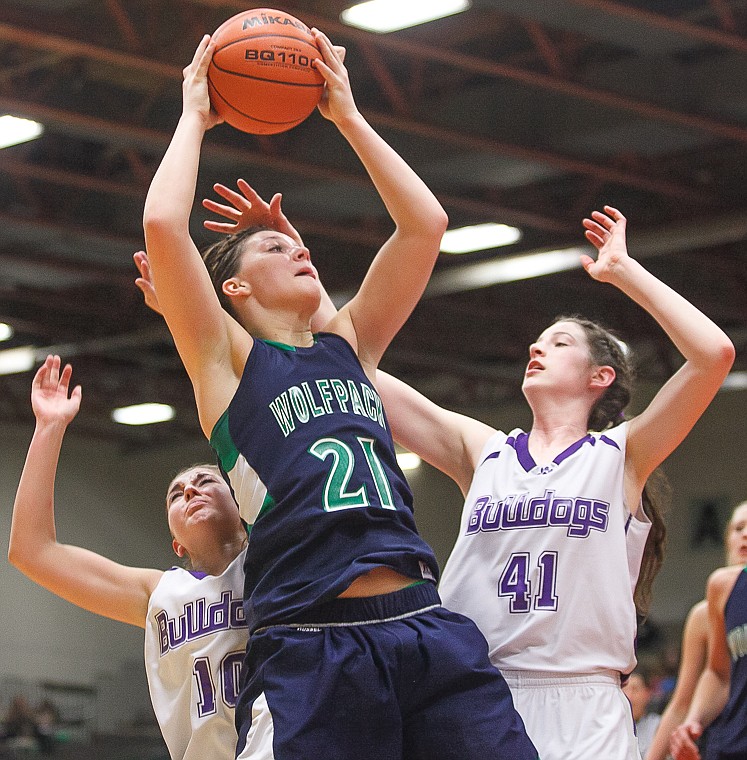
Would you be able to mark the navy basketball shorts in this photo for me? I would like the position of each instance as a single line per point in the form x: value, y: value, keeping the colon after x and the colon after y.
x: 391, y: 677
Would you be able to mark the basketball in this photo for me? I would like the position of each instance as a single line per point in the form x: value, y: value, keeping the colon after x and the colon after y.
x: 261, y: 79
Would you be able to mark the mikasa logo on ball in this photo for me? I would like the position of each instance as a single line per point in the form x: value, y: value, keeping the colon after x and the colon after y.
x: 263, y: 18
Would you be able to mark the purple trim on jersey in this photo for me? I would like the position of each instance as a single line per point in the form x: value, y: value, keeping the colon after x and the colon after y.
x: 627, y: 522
x: 196, y: 573
x: 605, y: 439
x: 573, y: 448
x: 521, y: 446
x: 494, y: 455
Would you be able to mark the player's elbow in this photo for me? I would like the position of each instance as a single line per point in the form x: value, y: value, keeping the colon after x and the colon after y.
x: 724, y: 354
x: 157, y: 222
x: 18, y: 556
x: 439, y: 222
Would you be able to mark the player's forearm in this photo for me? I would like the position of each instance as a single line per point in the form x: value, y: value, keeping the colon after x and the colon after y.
x: 171, y: 194
x: 696, y: 336
x: 407, y: 198
x: 709, y: 699
x: 32, y: 526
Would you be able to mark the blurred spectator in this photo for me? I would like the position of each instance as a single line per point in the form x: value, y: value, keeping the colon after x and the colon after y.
x: 638, y: 691
x: 20, y: 730
x: 48, y: 725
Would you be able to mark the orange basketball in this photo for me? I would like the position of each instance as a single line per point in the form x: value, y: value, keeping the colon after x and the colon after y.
x: 261, y: 79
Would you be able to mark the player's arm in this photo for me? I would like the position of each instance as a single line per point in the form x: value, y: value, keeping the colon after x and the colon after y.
x: 400, y: 271
x: 82, y: 577
x: 449, y: 441
x: 203, y: 332
x: 708, y: 352
x: 692, y: 663
x: 712, y: 690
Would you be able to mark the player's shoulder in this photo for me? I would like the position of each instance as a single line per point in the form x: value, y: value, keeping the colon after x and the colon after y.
x: 721, y: 581
x: 615, y: 436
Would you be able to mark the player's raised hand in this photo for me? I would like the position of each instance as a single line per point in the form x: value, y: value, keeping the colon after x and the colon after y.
x: 51, y: 398
x: 247, y: 209
x: 337, y: 100
x: 195, y: 97
x: 606, y: 232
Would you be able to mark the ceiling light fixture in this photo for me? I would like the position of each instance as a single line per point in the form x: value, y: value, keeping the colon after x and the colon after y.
x: 14, y: 130
x: 510, y: 269
x: 143, y: 414
x: 735, y: 381
x: 479, y: 237
x: 6, y: 331
x: 14, y: 360
x: 391, y: 15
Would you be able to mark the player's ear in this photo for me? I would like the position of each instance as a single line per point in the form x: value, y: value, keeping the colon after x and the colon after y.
x: 233, y: 286
x: 602, y: 377
x: 179, y: 550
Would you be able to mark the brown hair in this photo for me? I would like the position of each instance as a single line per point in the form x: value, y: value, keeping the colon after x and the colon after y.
x: 222, y: 260
x: 606, y: 349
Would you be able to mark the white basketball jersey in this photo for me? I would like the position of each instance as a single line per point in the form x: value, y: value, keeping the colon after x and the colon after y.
x: 548, y: 556
x: 195, y: 639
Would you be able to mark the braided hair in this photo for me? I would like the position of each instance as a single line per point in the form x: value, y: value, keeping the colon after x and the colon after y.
x: 605, y: 349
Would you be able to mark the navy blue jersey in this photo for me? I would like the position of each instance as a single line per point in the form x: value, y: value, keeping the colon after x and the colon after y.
x: 727, y: 739
x: 308, y: 453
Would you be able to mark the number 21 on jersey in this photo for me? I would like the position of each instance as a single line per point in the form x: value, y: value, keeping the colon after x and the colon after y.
x: 337, y: 491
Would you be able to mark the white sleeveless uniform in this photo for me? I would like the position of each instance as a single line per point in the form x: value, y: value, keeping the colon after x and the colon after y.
x: 195, y: 639
x: 545, y: 563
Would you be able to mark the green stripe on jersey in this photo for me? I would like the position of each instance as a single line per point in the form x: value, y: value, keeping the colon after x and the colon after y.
x: 222, y: 443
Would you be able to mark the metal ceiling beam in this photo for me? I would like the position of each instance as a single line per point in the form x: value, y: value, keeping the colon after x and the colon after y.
x: 603, y: 172
x: 565, y: 163
x: 722, y: 39
x: 103, y: 130
x: 459, y: 60
x: 673, y: 239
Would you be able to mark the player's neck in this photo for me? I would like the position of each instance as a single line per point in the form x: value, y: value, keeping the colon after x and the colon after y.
x: 217, y: 560
x: 550, y: 436
x: 287, y: 327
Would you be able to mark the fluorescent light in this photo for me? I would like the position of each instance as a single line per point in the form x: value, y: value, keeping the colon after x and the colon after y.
x: 6, y: 331
x: 735, y: 381
x: 143, y: 414
x: 14, y: 360
x: 14, y: 130
x: 391, y: 15
x: 510, y: 269
x: 478, y: 237
x: 408, y: 461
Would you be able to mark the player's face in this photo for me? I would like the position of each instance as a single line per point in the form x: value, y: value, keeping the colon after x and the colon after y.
x: 197, y: 498
x: 559, y: 358
x: 736, y: 537
x: 277, y: 268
